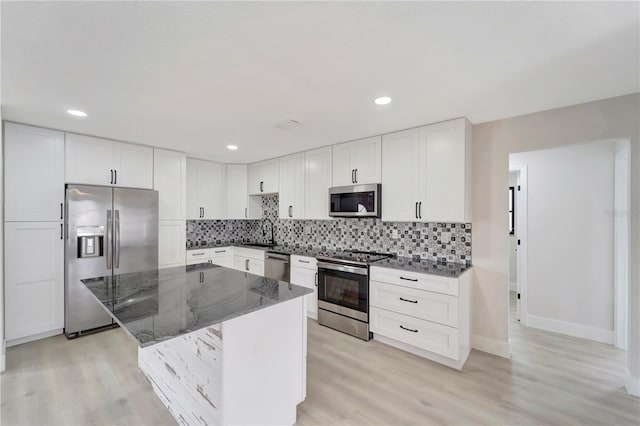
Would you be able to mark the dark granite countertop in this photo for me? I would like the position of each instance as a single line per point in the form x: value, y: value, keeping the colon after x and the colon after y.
x: 165, y: 303
x: 451, y: 270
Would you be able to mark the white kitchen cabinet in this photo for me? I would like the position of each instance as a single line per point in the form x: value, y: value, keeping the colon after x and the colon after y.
x: 170, y: 180
x: 34, y: 173
x: 205, y: 183
x: 426, y: 173
x: 428, y: 315
x: 95, y: 161
x: 238, y: 203
x: 34, y: 296
x: 195, y: 256
x: 357, y: 162
x: 304, y: 272
x: 263, y: 177
x: 291, y: 193
x: 222, y: 256
x: 171, y: 243
x: 248, y: 260
x: 317, y: 181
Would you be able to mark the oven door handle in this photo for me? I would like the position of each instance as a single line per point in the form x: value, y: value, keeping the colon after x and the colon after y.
x: 343, y: 268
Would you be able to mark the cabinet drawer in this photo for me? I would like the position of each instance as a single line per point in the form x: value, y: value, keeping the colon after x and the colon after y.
x: 245, y: 264
x: 220, y: 252
x: 304, y: 262
x: 249, y: 253
x: 415, y: 280
x: 201, y: 254
x: 436, y: 338
x: 436, y: 307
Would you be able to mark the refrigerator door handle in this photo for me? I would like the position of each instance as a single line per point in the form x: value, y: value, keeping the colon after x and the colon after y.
x: 116, y: 240
x: 108, y: 240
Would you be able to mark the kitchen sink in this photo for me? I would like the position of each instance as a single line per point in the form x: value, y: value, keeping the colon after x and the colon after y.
x: 259, y: 245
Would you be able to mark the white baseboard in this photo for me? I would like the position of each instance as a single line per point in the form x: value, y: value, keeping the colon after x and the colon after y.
x: 632, y: 384
x: 3, y: 355
x: 491, y: 346
x: 513, y: 286
x: 572, y: 329
x: 34, y: 337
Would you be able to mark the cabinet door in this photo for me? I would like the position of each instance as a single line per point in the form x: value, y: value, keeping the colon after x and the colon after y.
x: 194, y: 203
x: 34, y: 173
x: 271, y: 175
x: 210, y: 184
x: 443, y: 172
x: 171, y: 243
x: 307, y: 278
x: 367, y: 160
x: 34, y: 295
x: 343, y: 164
x: 400, y: 165
x: 88, y: 160
x: 236, y: 191
x: 291, y: 192
x: 170, y: 180
x: 317, y: 181
x: 254, y: 177
x: 133, y: 165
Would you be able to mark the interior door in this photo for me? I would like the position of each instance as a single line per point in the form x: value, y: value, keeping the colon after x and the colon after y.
x: 135, y: 230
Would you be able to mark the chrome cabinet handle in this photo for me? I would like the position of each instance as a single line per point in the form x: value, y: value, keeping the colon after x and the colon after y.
x: 197, y: 254
x: 61, y: 231
x: 408, y: 329
x: 420, y: 210
x: 108, y: 241
x: 316, y: 279
x: 246, y: 264
x: 290, y: 211
x: 116, y: 235
x: 407, y: 300
x: 409, y: 279
x: 219, y: 251
x: 304, y: 261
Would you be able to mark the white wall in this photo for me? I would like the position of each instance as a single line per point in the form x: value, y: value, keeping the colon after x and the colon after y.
x: 570, y: 239
x: 2, y: 342
x: 608, y: 119
x: 513, y: 260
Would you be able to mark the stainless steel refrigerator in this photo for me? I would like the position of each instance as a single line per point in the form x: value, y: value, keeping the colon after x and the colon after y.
x: 109, y: 231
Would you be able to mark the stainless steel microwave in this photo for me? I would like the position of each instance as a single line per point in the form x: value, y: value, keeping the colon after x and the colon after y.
x: 355, y: 201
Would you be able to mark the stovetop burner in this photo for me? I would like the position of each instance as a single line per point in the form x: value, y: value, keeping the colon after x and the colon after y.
x: 355, y: 257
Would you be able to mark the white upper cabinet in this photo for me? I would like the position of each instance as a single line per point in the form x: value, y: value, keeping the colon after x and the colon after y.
x: 239, y: 205
x: 426, y: 172
x: 263, y: 177
x: 95, y: 161
x: 205, y: 183
x: 34, y: 173
x: 357, y: 162
x: 400, y: 171
x: 132, y: 165
x: 317, y: 181
x: 170, y: 180
x: 291, y: 193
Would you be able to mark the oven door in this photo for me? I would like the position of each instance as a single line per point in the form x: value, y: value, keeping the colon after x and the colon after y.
x: 344, y: 290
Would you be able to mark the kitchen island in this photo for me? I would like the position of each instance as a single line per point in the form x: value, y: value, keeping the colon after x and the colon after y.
x: 218, y: 346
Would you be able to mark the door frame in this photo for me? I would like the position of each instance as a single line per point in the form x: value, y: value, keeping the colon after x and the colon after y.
x: 521, y: 210
x: 621, y: 271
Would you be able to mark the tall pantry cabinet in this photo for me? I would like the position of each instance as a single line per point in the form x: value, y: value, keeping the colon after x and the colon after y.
x: 34, y: 232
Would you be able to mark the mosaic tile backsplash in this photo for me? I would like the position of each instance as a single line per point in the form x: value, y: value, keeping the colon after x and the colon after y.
x: 443, y: 242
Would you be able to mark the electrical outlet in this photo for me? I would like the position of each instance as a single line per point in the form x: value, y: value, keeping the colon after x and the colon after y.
x: 424, y: 231
x: 394, y: 234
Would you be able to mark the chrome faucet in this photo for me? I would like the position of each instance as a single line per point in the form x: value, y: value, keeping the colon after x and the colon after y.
x: 264, y: 233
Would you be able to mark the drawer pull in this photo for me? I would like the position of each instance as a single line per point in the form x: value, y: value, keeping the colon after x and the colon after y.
x: 304, y: 261
x: 408, y: 329
x: 197, y: 254
x: 409, y: 279
x: 407, y: 300
x: 219, y: 251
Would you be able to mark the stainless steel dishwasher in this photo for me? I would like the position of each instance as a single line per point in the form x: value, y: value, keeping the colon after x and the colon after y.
x: 277, y: 266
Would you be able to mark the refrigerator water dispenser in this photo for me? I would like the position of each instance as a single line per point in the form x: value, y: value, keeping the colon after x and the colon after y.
x: 90, y: 241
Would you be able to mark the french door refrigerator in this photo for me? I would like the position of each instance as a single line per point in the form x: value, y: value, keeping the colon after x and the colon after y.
x: 109, y: 231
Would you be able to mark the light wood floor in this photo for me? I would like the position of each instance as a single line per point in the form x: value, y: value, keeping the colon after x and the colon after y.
x: 550, y: 379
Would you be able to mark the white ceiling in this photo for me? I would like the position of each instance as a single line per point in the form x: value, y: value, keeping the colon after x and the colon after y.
x: 198, y: 76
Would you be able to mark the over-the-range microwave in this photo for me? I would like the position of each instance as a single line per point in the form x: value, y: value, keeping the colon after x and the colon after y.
x: 355, y: 201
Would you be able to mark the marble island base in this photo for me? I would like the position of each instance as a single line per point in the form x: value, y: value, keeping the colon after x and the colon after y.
x: 248, y: 370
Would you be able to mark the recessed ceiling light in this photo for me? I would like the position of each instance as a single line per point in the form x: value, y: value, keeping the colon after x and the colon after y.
x: 383, y: 100
x: 77, y: 113
x: 232, y: 147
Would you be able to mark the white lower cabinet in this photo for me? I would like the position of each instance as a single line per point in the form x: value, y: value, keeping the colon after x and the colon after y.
x: 171, y: 243
x: 248, y: 260
x: 425, y: 314
x: 34, y: 295
x: 304, y: 272
x: 222, y: 256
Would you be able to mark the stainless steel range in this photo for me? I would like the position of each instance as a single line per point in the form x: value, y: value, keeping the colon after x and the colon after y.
x: 343, y: 291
